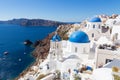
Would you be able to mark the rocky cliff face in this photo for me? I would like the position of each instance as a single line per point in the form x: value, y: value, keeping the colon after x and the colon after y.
x: 41, y: 51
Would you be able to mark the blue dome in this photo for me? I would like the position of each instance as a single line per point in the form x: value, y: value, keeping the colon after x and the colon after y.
x: 56, y: 37
x: 79, y: 37
x: 95, y: 19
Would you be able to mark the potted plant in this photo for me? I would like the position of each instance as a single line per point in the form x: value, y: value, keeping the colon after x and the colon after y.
x: 58, y: 74
x: 77, y: 77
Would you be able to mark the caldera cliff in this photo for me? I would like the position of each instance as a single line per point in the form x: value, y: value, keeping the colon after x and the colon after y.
x: 42, y: 49
x: 32, y: 22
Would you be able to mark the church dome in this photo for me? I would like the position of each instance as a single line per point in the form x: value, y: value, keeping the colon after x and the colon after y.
x: 56, y: 37
x: 79, y: 37
x: 95, y: 19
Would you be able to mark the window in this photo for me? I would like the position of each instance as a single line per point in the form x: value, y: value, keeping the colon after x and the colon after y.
x: 57, y: 46
x: 110, y: 31
x: 108, y: 60
x: 114, y: 22
x: 92, y: 34
x: 85, y: 25
x: 116, y: 36
x: 54, y: 53
x: 84, y: 50
x: 93, y: 26
x: 99, y: 26
x: 75, y: 49
x: 47, y: 65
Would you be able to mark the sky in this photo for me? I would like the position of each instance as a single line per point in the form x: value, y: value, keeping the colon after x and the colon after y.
x: 58, y: 10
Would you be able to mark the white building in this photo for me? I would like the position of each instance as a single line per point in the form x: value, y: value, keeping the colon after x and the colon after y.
x: 68, y: 55
x: 110, y: 49
x: 93, y: 28
x: 115, y: 32
x: 93, y: 45
x: 76, y: 49
x: 105, y: 54
x: 79, y: 43
x: 103, y: 74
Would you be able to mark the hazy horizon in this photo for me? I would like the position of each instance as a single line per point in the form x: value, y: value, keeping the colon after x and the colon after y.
x: 40, y: 18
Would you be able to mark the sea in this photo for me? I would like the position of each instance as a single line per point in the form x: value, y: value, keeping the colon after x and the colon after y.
x: 19, y: 56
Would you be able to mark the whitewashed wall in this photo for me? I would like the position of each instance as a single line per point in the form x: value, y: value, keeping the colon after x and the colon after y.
x: 103, y: 54
x: 81, y: 48
x: 116, y: 29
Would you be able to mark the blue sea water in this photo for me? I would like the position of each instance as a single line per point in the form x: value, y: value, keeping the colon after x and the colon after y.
x: 11, y: 40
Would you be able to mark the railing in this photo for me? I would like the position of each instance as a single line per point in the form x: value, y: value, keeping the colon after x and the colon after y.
x: 108, y: 47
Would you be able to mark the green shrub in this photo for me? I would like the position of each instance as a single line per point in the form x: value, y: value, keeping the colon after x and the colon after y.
x: 115, y: 69
x: 76, y: 77
x: 116, y: 77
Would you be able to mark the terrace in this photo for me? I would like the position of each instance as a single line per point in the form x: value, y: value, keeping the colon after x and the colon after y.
x: 108, y: 47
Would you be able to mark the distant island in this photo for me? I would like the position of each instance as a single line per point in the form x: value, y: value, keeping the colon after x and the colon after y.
x: 32, y: 22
